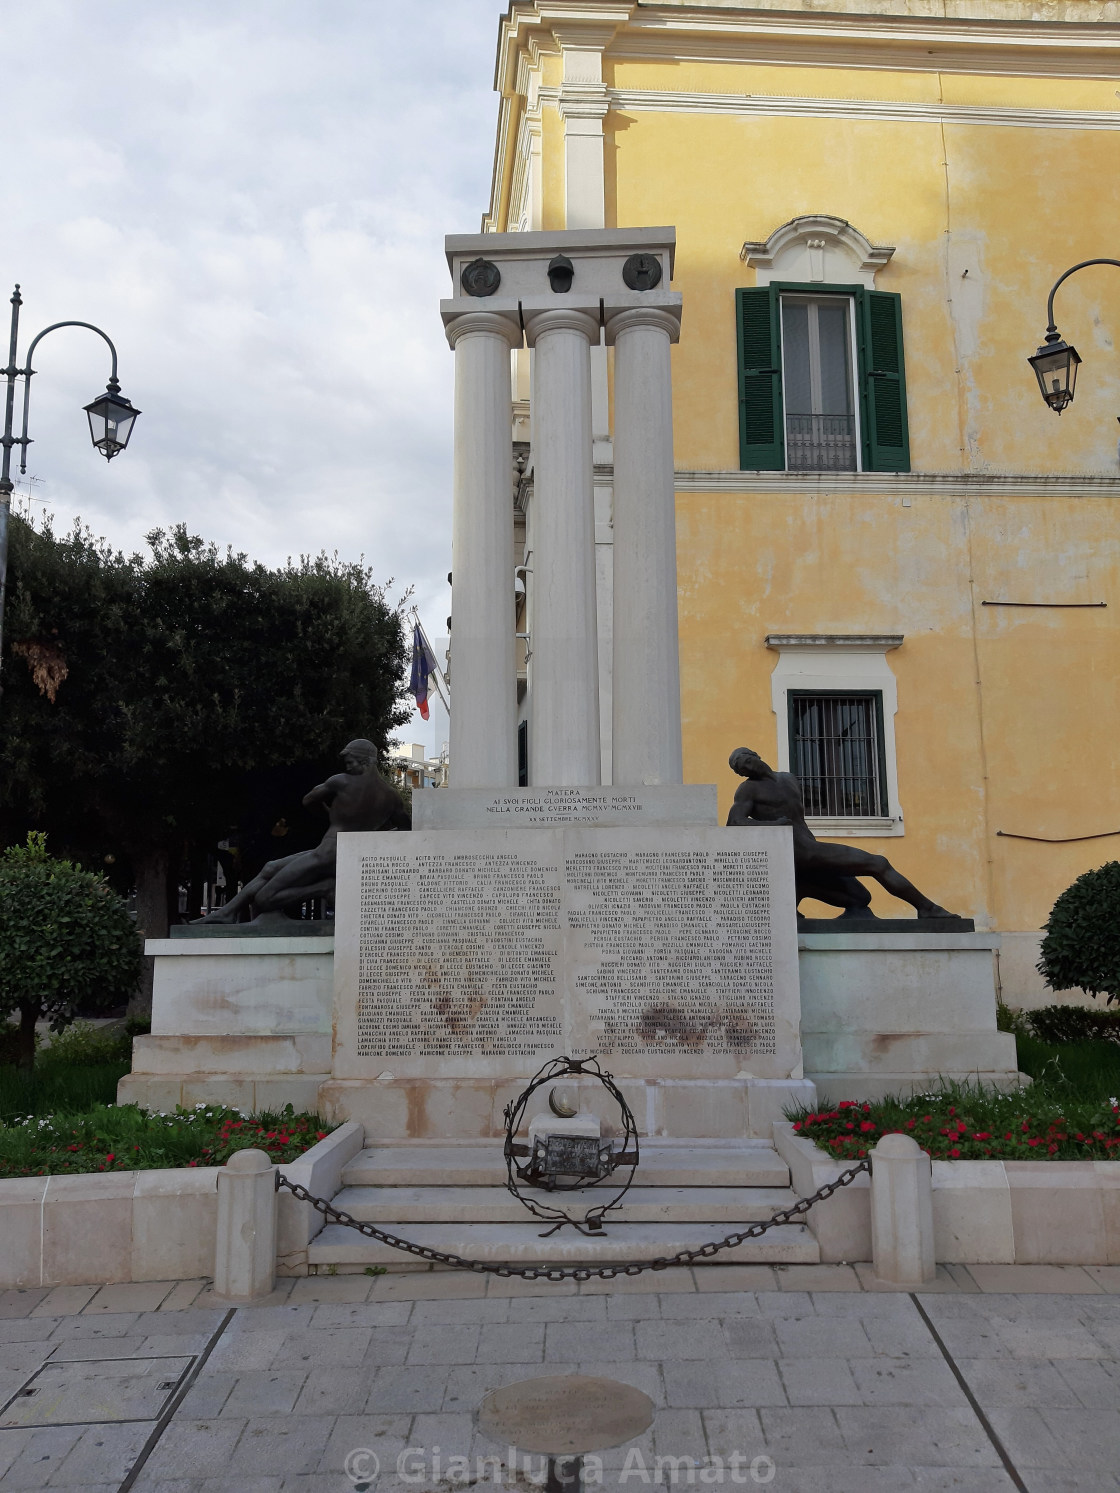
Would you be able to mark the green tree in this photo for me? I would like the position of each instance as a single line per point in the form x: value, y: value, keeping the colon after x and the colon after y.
x: 1081, y: 943
x: 66, y: 942
x: 149, y: 700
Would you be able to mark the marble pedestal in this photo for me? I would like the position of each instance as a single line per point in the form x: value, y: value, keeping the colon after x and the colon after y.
x: 238, y: 1021
x: 897, y: 1013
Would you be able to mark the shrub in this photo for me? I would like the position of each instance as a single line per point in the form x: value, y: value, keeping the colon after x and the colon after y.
x: 1063, y: 1024
x: 1081, y: 947
x: 66, y: 941
x: 85, y: 1045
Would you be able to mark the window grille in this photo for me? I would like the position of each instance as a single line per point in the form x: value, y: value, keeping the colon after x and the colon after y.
x: 836, y: 751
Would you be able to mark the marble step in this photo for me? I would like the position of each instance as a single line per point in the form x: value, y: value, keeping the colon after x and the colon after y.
x: 521, y: 1244
x: 701, y: 1163
x: 724, y: 1205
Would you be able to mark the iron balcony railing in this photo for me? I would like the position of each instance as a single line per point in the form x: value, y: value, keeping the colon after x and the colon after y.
x: 821, y: 443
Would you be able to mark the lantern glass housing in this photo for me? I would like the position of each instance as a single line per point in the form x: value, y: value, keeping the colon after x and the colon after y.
x: 111, y: 418
x: 1055, y: 367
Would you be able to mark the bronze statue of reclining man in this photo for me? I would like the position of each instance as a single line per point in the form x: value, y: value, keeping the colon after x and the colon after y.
x: 823, y: 870
x: 358, y: 798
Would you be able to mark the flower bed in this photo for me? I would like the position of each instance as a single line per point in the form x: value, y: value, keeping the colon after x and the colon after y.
x: 971, y: 1125
x: 126, y: 1138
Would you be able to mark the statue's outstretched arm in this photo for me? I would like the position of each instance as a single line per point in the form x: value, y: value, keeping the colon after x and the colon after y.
x: 322, y: 793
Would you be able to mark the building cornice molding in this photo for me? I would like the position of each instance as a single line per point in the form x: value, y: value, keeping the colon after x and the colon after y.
x: 815, y: 642
x: 724, y: 34
x: 810, y: 38
x: 581, y: 100
x: 905, y: 484
x: 791, y: 105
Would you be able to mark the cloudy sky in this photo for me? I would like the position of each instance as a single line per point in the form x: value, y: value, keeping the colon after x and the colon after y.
x: 250, y: 198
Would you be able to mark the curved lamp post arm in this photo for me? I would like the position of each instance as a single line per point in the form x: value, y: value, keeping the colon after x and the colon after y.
x: 1084, y: 265
x: 1055, y: 363
x: 113, y: 385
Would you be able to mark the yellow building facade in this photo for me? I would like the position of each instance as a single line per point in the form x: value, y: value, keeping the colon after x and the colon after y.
x: 897, y: 569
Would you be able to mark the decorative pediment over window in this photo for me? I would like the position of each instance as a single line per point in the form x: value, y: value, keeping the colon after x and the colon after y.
x: 816, y: 249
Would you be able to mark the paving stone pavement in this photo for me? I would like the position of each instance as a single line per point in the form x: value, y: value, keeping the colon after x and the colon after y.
x: 808, y: 1379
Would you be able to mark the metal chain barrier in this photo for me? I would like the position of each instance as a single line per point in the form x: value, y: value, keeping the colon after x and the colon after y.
x: 572, y: 1272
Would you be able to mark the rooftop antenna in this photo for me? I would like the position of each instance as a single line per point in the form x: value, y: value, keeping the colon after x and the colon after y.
x: 29, y: 498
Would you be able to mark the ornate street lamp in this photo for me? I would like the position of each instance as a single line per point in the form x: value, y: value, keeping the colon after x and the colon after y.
x: 1055, y: 367
x: 1055, y: 363
x: 111, y: 418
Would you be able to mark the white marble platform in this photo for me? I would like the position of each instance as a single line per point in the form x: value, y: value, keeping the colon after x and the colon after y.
x: 893, y: 1013
x: 238, y: 1021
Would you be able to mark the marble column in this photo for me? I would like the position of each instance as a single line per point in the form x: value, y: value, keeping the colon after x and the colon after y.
x: 564, y: 730
x: 646, y: 714
x: 483, y: 742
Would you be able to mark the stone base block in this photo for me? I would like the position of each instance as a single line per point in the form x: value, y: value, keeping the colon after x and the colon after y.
x: 898, y: 1013
x: 474, y: 1109
x: 833, y: 1087
x: 252, y: 986
x: 919, y: 1052
x: 249, y: 1092
x: 218, y: 1056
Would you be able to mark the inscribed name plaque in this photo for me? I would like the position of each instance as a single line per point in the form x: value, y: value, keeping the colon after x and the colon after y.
x: 480, y: 954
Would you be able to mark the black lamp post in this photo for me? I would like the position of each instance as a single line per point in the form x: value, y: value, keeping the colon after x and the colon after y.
x: 111, y: 418
x: 1055, y: 363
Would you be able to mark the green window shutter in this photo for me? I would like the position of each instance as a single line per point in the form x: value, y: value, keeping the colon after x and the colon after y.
x: 886, y: 436
x: 761, y: 428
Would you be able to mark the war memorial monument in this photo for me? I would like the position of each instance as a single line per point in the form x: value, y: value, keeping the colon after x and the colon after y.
x: 570, y: 917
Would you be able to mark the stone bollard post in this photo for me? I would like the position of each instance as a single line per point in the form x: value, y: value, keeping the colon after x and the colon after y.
x: 245, y: 1256
x: 902, y: 1212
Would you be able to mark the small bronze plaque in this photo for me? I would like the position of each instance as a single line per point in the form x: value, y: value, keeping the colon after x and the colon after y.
x: 571, y: 1156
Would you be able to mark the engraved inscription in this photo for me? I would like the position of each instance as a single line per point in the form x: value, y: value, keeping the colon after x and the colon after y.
x: 564, y: 806
x: 680, y: 945
x: 458, y: 956
x: 626, y: 947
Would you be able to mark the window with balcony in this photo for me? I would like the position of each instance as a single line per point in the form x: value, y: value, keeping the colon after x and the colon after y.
x: 821, y: 379
x: 821, y: 428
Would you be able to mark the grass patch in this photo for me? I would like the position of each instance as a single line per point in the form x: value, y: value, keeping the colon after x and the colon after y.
x: 74, y: 1071
x: 1080, y: 1071
x: 119, y: 1138
x: 47, y: 1091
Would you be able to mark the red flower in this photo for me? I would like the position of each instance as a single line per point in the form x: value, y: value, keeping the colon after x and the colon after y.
x: 867, y: 1125
x: 954, y: 1152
